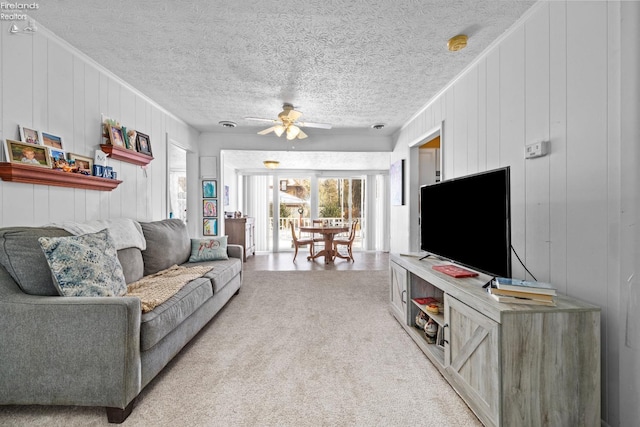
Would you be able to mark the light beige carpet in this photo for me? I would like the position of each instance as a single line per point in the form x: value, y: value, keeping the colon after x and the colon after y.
x: 313, y: 348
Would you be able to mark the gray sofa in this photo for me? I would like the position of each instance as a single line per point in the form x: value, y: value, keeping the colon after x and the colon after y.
x: 98, y: 351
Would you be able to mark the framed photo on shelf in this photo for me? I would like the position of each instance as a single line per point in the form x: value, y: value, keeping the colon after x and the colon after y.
x: 27, y: 154
x: 210, y: 226
x: 58, y: 158
x: 51, y: 140
x: 131, y: 139
x: 115, y: 136
x: 143, y: 144
x: 209, y: 189
x: 30, y: 136
x: 210, y: 207
x: 84, y: 163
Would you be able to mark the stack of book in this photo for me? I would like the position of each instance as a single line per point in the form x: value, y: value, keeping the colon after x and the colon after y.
x: 517, y: 291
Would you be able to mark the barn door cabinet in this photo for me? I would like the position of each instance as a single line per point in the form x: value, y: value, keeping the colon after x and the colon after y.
x: 513, y: 364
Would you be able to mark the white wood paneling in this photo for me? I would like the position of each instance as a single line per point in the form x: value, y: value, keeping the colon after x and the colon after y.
x: 537, y: 129
x: 512, y: 116
x: 587, y: 149
x: 473, y: 146
x: 50, y: 86
x: 558, y: 141
x: 492, y: 106
x: 2, y: 134
x: 482, y: 115
x: 40, y: 82
x: 459, y: 142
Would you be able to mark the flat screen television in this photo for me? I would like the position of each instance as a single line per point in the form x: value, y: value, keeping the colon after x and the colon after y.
x: 467, y: 220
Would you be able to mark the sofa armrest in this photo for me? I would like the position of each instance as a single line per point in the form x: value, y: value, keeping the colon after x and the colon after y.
x: 69, y: 350
x: 235, y: 251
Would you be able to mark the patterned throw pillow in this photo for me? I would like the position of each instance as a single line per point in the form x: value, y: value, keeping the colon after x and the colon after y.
x: 208, y: 249
x: 85, y: 266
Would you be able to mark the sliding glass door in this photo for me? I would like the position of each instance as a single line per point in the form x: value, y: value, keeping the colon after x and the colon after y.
x: 341, y: 201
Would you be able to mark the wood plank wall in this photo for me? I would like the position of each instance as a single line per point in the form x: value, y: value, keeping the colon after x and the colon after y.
x: 49, y: 85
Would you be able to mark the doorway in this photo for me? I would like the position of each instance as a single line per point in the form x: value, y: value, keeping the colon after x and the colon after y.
x: 177, y: 185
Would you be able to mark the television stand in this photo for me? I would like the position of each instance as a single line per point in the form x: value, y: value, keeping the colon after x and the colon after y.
x: 509, y: 362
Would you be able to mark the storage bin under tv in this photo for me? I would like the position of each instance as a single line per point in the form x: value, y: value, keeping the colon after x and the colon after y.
x: 513, y: 364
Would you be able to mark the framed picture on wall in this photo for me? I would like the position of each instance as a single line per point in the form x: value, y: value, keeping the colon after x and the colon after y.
x: 210, y: 226
x: 30, y: 136
x: 396, y: 182
x: 209, y: 189
x: 27, y: 154
x: 226, y: 195
x: 210, y: 207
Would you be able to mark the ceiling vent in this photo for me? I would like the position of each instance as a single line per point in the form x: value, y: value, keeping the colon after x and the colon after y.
x: 227, y: 124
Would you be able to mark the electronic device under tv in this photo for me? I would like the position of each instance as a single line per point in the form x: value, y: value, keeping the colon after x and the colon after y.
x: 467, y: 221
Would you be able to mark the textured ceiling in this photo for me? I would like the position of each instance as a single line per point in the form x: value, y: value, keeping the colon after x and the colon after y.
x: 347, y: 63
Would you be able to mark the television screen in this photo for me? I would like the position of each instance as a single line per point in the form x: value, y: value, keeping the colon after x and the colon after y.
x: 467, y: 220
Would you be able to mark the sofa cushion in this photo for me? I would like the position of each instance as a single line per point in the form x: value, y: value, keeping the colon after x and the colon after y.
x: 163, y: 319
x: 168, y: 243
x: 132, y: 264
x: 223, y: 271
x: 22, y: 256
x: 210, y: 249
x: 85, y: 265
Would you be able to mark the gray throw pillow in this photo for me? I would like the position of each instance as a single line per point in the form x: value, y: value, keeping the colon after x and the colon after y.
x: 168, y: 244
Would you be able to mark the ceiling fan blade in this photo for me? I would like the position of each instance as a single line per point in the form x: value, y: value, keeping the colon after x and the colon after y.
x: 259, y: 119
x: 314, y: 125
x: 301, y: 135
x: 266, y: 131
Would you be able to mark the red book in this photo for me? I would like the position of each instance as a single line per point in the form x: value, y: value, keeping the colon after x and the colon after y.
x: 454, y: 270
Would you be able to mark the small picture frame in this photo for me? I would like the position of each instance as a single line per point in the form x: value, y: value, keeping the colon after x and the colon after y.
x: 210, y: 226
x: 27, y: 154
x: 51, y: 140
x: 115, y: 136
x: 58, y: 158
x: 209, y: 189
x: 84, y: 163
x: 131, y: 139
x: 210, y: 207
x: 30, y: 136
x: 143, y: 143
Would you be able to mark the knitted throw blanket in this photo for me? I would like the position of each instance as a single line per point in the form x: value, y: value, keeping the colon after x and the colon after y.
x: 156, y: 288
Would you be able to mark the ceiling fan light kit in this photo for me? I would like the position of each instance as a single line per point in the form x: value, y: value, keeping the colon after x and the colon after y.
x: 287, y: 123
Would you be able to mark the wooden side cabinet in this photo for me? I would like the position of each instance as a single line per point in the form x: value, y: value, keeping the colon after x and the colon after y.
x: 513, y: 364
x: 241, y: 231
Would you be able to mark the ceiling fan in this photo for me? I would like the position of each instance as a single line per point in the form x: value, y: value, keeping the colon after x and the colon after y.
x: 287, y: 122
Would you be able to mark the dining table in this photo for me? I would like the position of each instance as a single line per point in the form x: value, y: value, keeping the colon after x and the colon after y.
x: 328, y: 233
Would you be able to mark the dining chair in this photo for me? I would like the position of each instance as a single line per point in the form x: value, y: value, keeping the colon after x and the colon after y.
x: 297, y: 242
x: 317, y: 237
x: 348, y: 242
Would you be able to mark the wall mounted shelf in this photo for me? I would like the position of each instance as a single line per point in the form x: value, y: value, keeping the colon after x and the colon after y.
x: 119, y: 153
x: 15, y: 172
